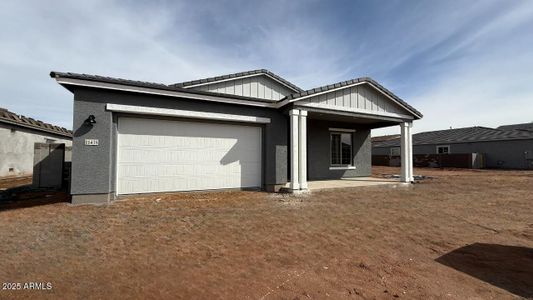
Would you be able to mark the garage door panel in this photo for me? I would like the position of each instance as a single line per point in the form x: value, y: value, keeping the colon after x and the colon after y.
x: 161, y: 155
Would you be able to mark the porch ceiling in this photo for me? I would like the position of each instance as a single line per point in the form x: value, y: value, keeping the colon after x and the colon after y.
x: 370, y: 121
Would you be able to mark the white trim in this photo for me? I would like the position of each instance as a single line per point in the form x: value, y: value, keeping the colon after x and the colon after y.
x: 155, y: 91
x: 294, y: 151
x: 284, y: 102
x: 406, y: 169
x: 241, y: 77
x: 117, y: 153
x: 356, y: 110
x: 214, y: 98
x: 411, y: 154
x: 341, y: 129
x: 145, y: 110
x: 331, y: 165
x: 343, y: 168
x: 442, y: 146
x: 294, y: 112
x: 302, y: 150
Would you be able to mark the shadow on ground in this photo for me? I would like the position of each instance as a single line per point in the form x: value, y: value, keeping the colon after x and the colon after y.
x: 24, y: 196
x: 507, y: 267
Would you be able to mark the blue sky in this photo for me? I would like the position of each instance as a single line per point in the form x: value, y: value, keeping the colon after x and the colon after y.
x: 461, y: 63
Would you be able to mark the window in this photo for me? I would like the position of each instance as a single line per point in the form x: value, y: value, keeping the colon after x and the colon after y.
x: 443, y: 149
x: 395, y: 151
x: 341, y: 149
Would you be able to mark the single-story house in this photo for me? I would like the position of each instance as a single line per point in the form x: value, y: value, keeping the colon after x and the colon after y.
x: 245, y: 130
x: 18, y: 135
x: 500, y: 148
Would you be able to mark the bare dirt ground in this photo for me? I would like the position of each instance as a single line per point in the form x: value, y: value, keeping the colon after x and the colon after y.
x: 460, y: 235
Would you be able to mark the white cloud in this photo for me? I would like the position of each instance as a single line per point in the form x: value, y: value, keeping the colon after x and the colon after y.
x: 461, y: 66
x: 490, y: 85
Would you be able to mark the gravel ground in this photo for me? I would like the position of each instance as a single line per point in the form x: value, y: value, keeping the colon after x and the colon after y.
x: 462, y: 234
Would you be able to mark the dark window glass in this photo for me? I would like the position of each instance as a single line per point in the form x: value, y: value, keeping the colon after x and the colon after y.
x: 442, y: 150
x: 341, y: 149
x: 335, y: 149
x: 346, y: 145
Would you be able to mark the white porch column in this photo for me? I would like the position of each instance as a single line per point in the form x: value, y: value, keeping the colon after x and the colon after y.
x: 404, y: 140
x: 294, y: 115
x: 302, y: 143
x: 411, y: 154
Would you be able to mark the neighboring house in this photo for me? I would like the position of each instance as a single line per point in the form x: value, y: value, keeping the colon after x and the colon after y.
x: 246, y: 130
x: 523, y: 126
x: 18, y: 134
x: 509, y: 149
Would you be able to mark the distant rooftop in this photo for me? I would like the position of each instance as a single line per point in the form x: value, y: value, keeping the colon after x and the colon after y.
x: 457, y: 135
x: 522, y: 126
x: 12, y: 118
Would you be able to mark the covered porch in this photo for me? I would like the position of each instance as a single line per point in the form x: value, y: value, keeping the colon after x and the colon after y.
x: 317, y: 163
x: 337, y: 145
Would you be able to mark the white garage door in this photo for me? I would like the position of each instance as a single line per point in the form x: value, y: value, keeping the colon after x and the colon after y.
x: 163, y: 155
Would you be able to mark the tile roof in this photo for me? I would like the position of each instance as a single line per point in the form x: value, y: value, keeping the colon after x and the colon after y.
x: 385, y: 138
x: 236, y: 75
x: 353, y: 81
x: 7, y: 116
x: 523, y: 126
x: 460, y: 135
x: 145, y: 84
x: 179, y: 87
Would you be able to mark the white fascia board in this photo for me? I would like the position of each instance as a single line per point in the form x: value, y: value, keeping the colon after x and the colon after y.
x: 156, y: 111
x: 343, y: 168
x: 341, y: 129
x: 356, y: 110
x: 154, y: 91
x: 241, y: 77
x: 285, y: 102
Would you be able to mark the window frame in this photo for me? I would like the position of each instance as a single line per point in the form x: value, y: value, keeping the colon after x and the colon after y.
x: 340, y: 166
x: 395, y: 148
x: 443, y: 147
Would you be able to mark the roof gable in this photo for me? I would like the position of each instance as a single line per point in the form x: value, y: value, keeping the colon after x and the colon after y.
x: 362, y: 95
x: 261, y: 84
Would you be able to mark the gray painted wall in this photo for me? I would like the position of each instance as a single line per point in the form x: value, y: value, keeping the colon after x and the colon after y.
x: 498, y: 154
x: 318, y: 150
x: 17, y: 146
x: 93, y: 167
x: 260, y: 86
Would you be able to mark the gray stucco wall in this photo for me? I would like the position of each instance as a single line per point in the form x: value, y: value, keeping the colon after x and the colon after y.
x: 318, y: 150
x: 498, y: 154
x: 17, y: 148
x: 93, y: 167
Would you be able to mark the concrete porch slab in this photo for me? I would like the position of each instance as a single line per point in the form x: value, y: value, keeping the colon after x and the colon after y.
x: 350, y: 182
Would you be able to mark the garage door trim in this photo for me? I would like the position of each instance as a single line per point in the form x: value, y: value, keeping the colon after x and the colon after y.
x: 147, y: 110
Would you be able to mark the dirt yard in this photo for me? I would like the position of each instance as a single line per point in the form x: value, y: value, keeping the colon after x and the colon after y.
x: 460, y: 235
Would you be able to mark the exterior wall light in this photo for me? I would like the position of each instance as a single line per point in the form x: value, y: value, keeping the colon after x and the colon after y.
x: 91, y: 120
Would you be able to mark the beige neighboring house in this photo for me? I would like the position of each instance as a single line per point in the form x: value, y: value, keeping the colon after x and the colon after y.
x: 18, y: 134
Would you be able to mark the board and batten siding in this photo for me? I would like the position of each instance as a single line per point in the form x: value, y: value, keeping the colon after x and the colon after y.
x: 257, y: 86
x: 360, y: 98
